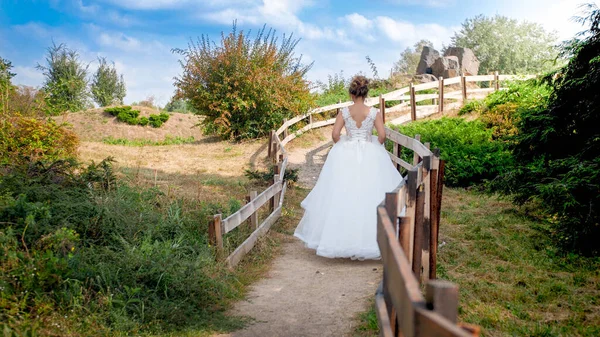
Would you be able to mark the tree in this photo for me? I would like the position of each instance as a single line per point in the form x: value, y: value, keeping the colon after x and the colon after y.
x: 107, y: 86
x: 5, y: 84
x: 244, y: 87
x: 558, y: 145
x: 409, y: 58
x: 66, y: 80
x: 507, y: 45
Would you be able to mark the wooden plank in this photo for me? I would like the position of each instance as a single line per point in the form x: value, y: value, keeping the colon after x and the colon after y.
x: 452, y: 80
x: 425, y: 86
x: 463, y: 86
x: 515, y: 77
x: 440, y: 186
x: 417, y: 156
x: 480, y: 90
x: 391, y: 206
x: 418, y: 238
x: 215, y: 233
x: 392, y: 95
x: 430, y: 324
x: 283, y: 168
x: 407, y: 142
x: 426, y: 217
x: 434, y: 216
x: 403, y: 288
x: 479, y: 78
x: 404, y: 233
x: 383, y: 316
x: 329, y: 107
x: 411, y: 207
x: 496, y: 81
x: 441, y: 95
x: 382, y: 107
x: 237, y: 255
x: 270, y: 148
x: 442, y: 297
x: 424, y: 97
x: 323, y: 123
x: 399, y: 162
x: 413, y: 104
x: 235, y: 219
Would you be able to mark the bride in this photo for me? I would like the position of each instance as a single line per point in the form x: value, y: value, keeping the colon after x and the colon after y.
x: 340, y: 217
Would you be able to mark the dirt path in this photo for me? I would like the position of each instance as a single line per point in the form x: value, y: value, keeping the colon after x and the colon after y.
x: 304, y: 294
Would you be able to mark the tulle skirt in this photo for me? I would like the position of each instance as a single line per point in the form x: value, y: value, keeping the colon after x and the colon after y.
x: 340, y: 217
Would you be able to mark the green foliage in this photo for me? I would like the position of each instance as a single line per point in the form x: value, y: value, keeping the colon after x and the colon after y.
x: 244, y: 87
x: 74, y: 241
x: 107, y: 86
x: 5, y: 84
x: 132, y: 117
x: 169, y: 140
x: 507, y: 45
x: 471, y: 155
x: 558, y: 148
x: 156, y: 121
x: 179, y: 105
x: 25, y: 139
x: 475, y: 105
x: 409, y: 58
x: 66, y: 80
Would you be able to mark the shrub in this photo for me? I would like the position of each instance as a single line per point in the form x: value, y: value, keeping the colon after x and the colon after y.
x: 244, y: 87
x: 471, y: 155
x: 156, y: 121
x: 24, y: 139
x: 74, y: 241
x: 132, y: 117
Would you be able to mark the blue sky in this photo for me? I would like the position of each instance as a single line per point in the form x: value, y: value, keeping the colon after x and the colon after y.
x: 138, y: 35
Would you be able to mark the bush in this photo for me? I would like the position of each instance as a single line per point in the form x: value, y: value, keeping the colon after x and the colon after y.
x: 475, y: 105
x: 156, y: 121
x: 74, y: 241
x: 24, y: 139
x: 244, y: 87
x: 107, y: 86
x: 127, y: 115
x: 471, y: 155
x: 558, y: 149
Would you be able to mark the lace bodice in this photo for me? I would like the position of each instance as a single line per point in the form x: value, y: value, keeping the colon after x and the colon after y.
x: 365, y: 130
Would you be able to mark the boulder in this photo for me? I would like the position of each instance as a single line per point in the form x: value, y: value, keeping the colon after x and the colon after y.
x: 424, y: 78
x: 447, y: 67
x: 428, y: 57
x: 466, y: 59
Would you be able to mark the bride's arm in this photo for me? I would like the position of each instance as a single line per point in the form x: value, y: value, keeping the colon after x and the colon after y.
x: 380, y: 127
x: 337, y: 127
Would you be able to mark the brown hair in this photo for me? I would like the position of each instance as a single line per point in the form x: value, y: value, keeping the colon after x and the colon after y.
x: 359, y: 86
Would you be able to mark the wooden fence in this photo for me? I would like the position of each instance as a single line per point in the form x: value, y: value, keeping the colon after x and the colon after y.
x: 404, y: 97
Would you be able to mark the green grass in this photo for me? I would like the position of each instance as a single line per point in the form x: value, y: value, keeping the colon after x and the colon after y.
x: 512, y: 280
x: 147, y: 142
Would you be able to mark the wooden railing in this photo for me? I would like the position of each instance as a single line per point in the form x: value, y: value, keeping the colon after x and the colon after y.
x: 407, y: 97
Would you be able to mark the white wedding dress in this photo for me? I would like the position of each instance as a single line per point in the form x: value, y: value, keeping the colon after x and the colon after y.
x: 340, y: 213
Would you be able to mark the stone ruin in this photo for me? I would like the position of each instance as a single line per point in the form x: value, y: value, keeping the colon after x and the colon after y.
x: 456, y: 61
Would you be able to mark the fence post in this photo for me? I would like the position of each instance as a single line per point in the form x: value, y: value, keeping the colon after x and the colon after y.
x: 407, y: 233
x: 425, y: 249
x: 441, y: 93
x: 270, y: 149
x: 496, y: 81
x: 275, y: 148
x: 435, y: 221
x: 285, y: 131
x: 254, y: 216
x: 442, y: 297
x: 413, y: 104
x: 397, y: 151
x: 463, y: 81
x: 382, y: 107
x: 215, y: 233
x: 419, y: 232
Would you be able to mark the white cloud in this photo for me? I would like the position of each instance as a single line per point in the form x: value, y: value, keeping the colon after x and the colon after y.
x: 358, y: 21
x: 408, y: 33
x: 29, y: 76
x: 119, y: 41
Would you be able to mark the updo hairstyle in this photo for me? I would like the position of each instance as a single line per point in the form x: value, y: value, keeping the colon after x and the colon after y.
x: 359, y: 86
